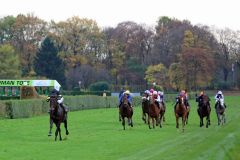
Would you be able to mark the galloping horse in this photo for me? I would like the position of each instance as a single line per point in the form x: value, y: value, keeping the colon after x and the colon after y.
x: 181, y: 111
x: 204, y: 110
x: 57, y: 116
x: 145, y: 109
x: 126, y: 111
x: 154, y: 113
x: 220, y: 113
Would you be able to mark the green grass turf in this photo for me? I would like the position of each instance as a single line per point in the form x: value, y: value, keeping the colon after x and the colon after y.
x: 97, y: 134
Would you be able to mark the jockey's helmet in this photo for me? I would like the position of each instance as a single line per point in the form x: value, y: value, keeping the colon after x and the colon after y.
x: 127, y: 92
x: 147, y: 92
x: 155, y: 93
x: 219, y: 92
x: 151, y: 90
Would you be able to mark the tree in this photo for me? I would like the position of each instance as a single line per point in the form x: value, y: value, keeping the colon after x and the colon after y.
x: 198, y: 68
x: 10, y: 65
x: 157, y: 74
x: 47, y: 62
x: 176, y: 77
x: 168, y: 40
x: 6, y: 29
x: 225, y: 54
x: 28, y: 32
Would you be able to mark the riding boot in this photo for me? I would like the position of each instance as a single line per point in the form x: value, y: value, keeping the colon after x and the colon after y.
x: 187, y: 105
x: 157, y: 104
x: 175, y: 107
x: 64, y: 108
x: 225, y: 105
x: 119, y: 104
x: 130, y: 104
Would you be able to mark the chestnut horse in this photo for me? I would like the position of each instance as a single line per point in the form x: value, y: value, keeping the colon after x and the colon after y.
x: 145, y: 109
x: 204, y: 110
x: 181, y: 111
x: 126, y: 111
x: 57, y: 116
x: 154, y: 113
x: 220, y: 113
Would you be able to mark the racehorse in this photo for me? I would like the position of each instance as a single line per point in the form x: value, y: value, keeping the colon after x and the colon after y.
x: 57, y: 116
x: 154, y: 113
x: 220, y: 113
x: 126, y: 111
x: 204, y: 110
x: 181, y: 111
x: 145, y: 109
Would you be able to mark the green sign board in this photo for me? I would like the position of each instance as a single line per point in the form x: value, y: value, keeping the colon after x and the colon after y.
x: 12, y: 83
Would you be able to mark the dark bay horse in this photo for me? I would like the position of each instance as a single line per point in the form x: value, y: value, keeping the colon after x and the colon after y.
x: 181, y: 111
x: 220, y: 113
x: 154, y: 113
x: 126, y: 111
x: 204, y: 110
x: 57, y: 116
x: 145, y: 109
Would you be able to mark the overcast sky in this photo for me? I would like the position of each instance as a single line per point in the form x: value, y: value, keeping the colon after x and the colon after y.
x: 220, y: 13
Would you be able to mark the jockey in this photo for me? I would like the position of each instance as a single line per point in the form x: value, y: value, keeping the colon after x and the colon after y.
x: 120, y: 96
x: 56, y: 91
x: 219, y: 97
x: 151, y: 91
x: 199, y: 99
x: 156, y: 98
x: 146, y: 95
x: 185, y: 95
x: 121, y: 92
x: 161, y: 97
x: 129, y: 97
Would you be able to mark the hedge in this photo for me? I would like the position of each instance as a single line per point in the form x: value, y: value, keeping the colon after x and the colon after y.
x: 34, y: 107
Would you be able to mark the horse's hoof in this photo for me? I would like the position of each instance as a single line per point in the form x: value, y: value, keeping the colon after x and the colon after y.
x: 49, y: 134
x: 67, y: 133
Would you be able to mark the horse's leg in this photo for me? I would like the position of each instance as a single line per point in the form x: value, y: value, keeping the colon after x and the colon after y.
x: 143, y: 115
x: 218, y: 117
x: 160, y: 120
x: 65, y: 125
x: 164, y: 114
x: 59, y: 130
x: 56, y: 132
x: 187, y: 117
x: 183, y: 122
x: 51, y: 125
x: 119, y: 115
x: 201, y: 121
x: 224, y: 117
x: 123, y: 122
x: 129, y: 121
x: 153, y: 123
x: 177, y: 124
x: 149, y: 125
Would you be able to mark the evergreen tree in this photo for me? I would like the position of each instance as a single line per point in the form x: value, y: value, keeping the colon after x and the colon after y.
x: 48, y: 63
x: 10, y: 64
